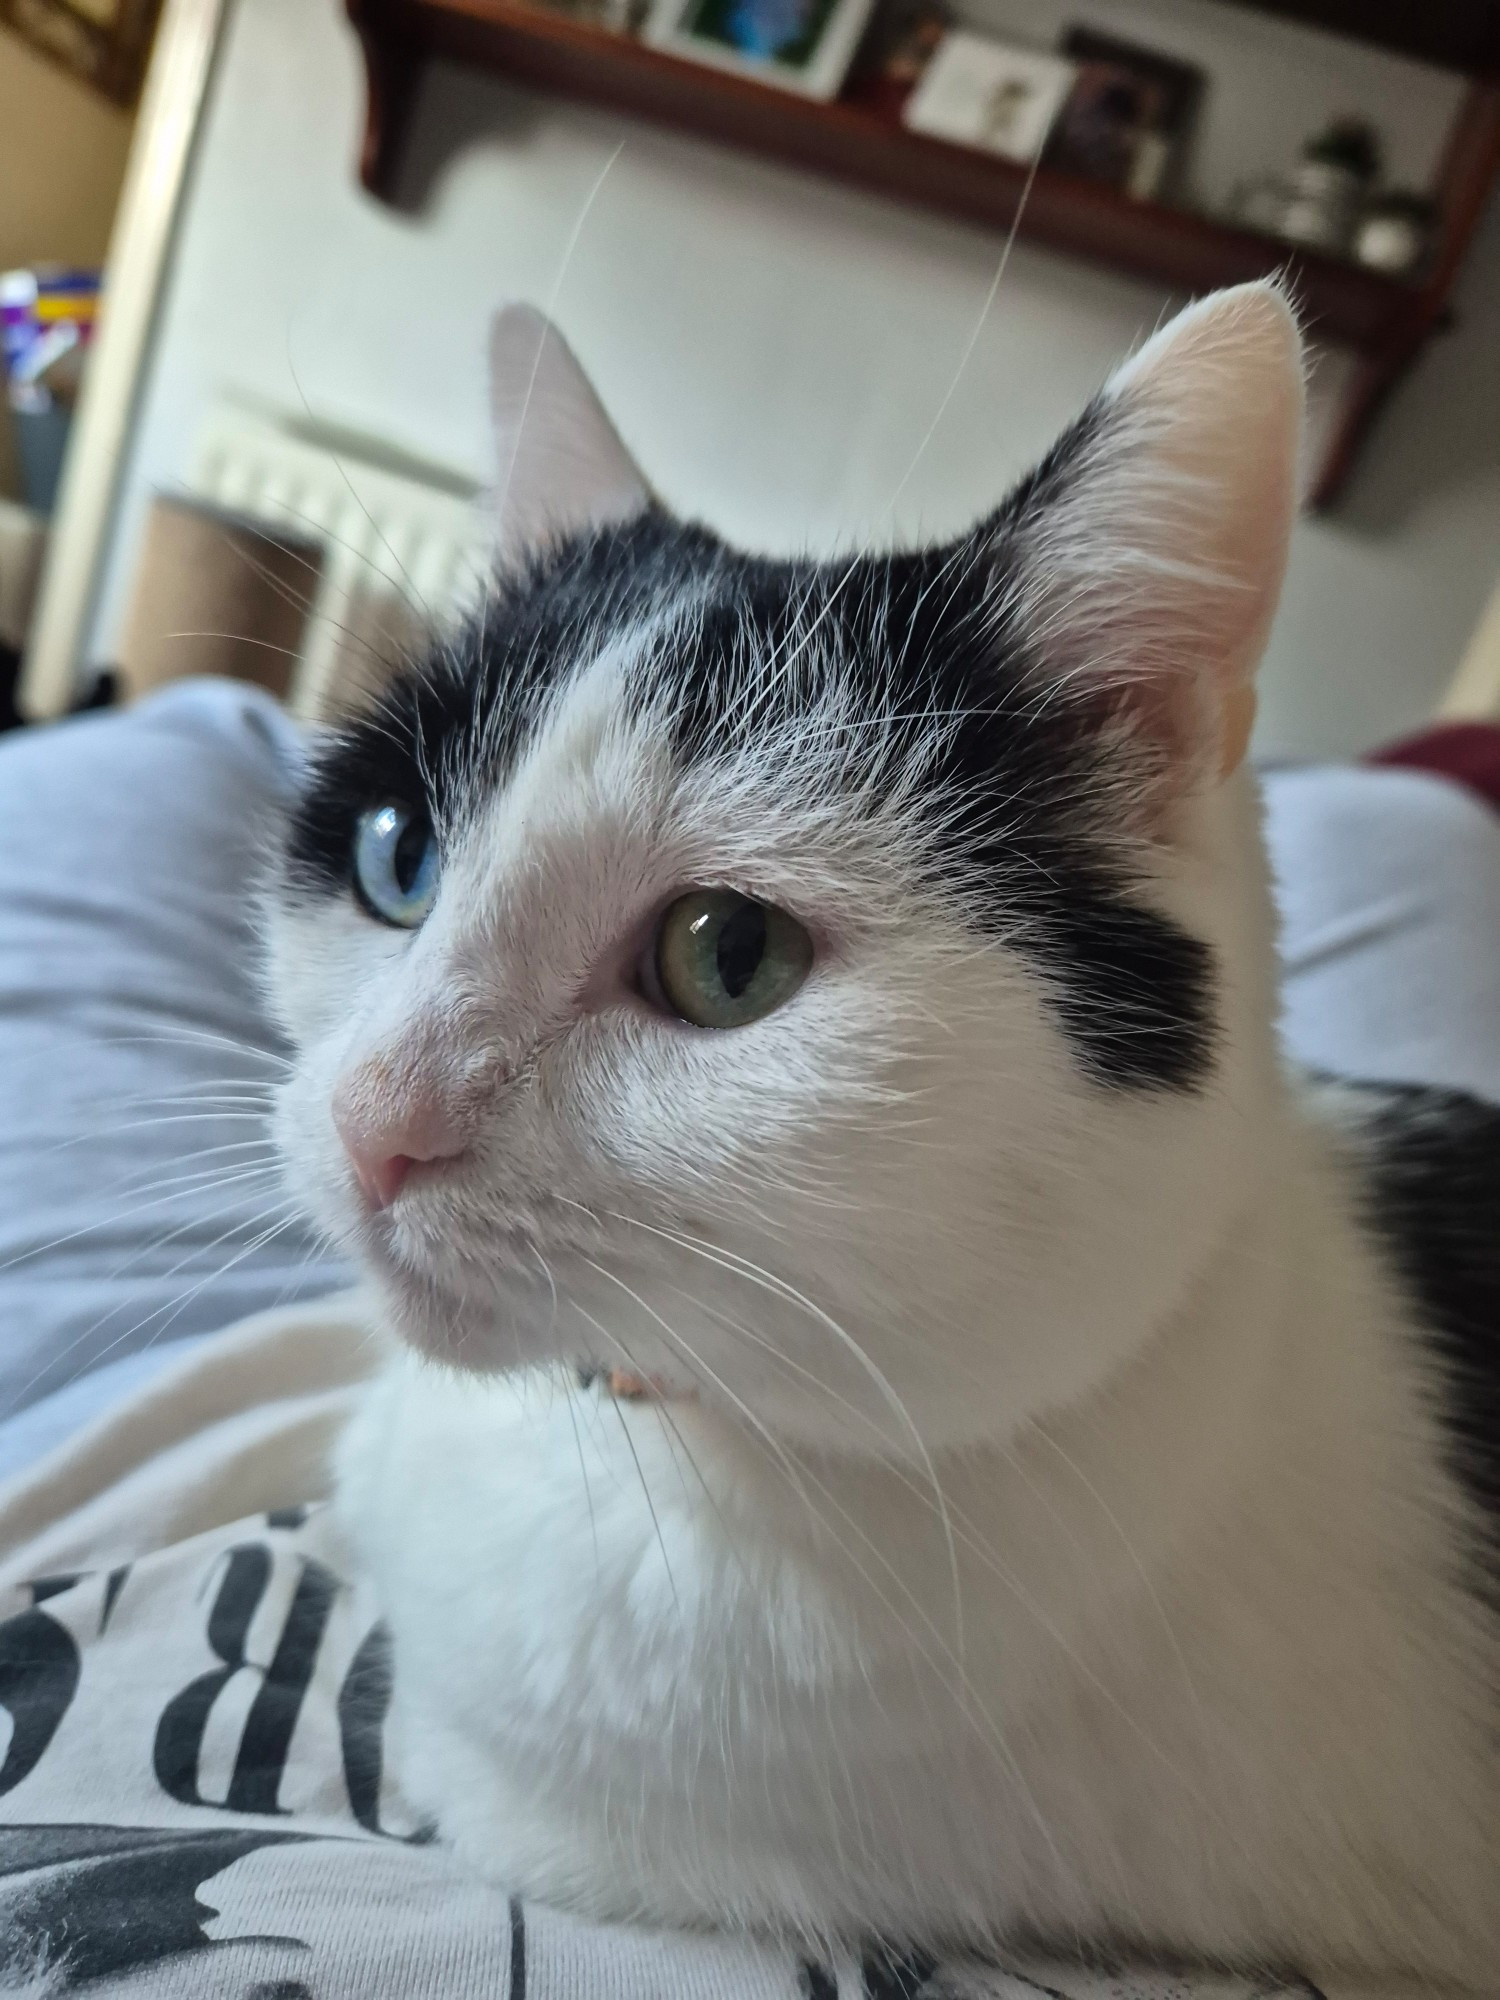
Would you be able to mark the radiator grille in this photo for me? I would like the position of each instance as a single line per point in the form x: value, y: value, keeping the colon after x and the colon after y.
x: 406, y: 544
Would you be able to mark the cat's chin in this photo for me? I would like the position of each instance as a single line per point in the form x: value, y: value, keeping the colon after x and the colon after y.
x: 512, y: 1322
x: 509, y: 1327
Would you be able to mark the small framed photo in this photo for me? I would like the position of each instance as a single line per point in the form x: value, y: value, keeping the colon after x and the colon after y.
x: 1128, y: 117
x: 980, y: 93
x: 801, y: 45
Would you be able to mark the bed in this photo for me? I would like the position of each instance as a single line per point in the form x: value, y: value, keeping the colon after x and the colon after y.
x: 194, y: 1795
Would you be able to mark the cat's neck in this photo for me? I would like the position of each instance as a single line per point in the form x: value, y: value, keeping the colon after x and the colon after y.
x: 1269, y: 1370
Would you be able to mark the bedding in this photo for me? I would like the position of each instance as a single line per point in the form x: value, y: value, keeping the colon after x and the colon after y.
x: 194, y: 1794
x: 195, y: 1800
x: 133, y: 1049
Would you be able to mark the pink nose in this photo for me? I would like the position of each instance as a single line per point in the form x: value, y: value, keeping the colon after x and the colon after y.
x: 386, y: 1135
x: 381, y: 1180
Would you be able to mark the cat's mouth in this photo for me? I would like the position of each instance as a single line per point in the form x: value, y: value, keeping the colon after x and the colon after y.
x: 511, y: 1253
x: 427, y: 1231
x: 537, y: 1286
x: 488, y: 1285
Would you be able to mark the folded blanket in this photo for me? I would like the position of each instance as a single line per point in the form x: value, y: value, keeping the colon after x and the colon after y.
x: 194, y: 1793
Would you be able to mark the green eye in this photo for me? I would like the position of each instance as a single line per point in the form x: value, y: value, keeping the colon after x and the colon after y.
x: 722, y: 960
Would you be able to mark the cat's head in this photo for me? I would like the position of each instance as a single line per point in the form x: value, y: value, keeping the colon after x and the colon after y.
x: 841, y: 990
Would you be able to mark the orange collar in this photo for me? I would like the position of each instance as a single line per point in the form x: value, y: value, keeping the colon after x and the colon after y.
x: 631, y: 1388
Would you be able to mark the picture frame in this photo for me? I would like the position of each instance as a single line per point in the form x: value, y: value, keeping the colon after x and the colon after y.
x: 105, y: 43
x: 805, y: 46
x: 983, y: 93
x: 1128, y: 118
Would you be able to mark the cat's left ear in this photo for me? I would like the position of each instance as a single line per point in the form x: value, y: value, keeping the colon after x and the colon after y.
x: 1145, y: 556
x: 561, y: 466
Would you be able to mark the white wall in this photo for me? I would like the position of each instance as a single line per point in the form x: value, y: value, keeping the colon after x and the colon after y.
x: 774, y: 346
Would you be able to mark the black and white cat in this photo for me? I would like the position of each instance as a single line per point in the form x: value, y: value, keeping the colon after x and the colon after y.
x: 840, y: 997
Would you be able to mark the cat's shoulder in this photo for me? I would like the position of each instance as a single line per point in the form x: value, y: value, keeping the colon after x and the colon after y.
x: 1428, y: 1167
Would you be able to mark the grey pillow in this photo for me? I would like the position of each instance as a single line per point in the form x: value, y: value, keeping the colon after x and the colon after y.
x: 1389, y: 886
x: 135, y: 1210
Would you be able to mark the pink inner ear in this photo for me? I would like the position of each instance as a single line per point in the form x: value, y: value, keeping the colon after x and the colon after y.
x: 1156, y: 575
x: 1224, y: 382
x: 561, y: 468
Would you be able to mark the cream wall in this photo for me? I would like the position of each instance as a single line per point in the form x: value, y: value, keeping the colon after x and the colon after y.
x: 777, y: 347
x: 62, y: 158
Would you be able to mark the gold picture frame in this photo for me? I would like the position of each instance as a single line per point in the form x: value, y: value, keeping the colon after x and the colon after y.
x: 103, y: 42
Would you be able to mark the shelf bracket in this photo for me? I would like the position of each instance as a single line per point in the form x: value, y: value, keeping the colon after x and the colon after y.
x: 394, y: 62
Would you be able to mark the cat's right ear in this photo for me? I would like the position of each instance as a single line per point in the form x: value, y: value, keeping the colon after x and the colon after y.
x: 561, y: 466
x: 1145, y: 555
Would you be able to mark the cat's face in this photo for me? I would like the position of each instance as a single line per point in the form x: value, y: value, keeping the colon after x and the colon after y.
x: 837, y: 991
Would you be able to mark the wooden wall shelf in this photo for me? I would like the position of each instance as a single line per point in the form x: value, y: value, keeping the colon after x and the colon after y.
x: 859, y: 138
x: 1455, y: 34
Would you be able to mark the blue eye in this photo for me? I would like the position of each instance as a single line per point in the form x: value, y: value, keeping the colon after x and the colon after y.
x: 396, y: 865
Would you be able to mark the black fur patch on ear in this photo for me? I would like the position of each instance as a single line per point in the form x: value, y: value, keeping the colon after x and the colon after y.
x: 1054, y: 475
x: 1434, y: 1201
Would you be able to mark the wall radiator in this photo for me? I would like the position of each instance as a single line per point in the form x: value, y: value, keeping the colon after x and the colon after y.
x: 405, y: 544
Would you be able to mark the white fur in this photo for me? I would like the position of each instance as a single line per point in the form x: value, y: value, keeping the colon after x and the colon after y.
x: 1050, y: 1534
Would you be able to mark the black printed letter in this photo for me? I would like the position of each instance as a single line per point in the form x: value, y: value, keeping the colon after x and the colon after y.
x: 261, y: 1759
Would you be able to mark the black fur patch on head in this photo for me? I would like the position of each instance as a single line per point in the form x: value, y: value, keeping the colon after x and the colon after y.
x: 444, y: 731
x: 1434, y: 1189
x: 1020, y: 784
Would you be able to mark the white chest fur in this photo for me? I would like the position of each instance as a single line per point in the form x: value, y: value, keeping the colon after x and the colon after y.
x: 1185, y: 1669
